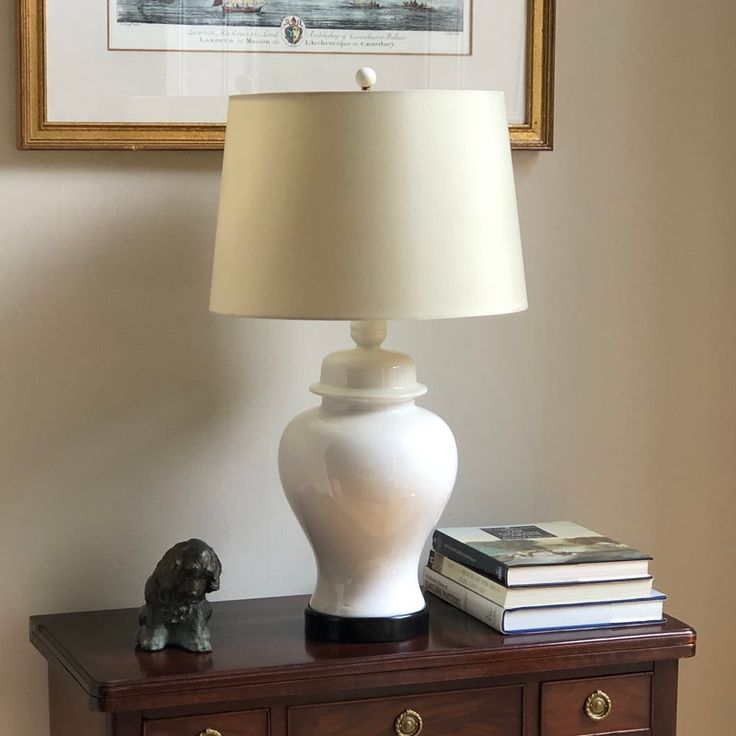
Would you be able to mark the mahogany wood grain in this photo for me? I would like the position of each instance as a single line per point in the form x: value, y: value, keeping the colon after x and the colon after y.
x: 531, y: 708
x: 264, y: 679
x: 125, y: 724
x: 488, y: 712
x: 563, y: 704
x: 278, y: 720
x: 664, y: 699
x: 247, y: 723
x: 260, y: 643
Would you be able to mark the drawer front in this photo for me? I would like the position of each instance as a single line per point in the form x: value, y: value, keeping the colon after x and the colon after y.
x: 487, y: 712
x: 596, y: 705
x: 245, y: 723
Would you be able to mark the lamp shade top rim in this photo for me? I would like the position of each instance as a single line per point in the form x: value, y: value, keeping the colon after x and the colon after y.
x: 362, y: 94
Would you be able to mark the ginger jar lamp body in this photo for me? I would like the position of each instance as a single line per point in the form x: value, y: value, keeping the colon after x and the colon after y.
x: 368, y: 474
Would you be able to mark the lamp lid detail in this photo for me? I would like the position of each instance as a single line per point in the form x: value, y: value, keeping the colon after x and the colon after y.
x: 368, y: 373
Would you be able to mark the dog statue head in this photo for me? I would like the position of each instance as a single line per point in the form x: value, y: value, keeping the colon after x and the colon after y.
x: 183, y: 576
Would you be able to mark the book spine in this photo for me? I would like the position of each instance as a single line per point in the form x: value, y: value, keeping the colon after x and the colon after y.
x: 466, y: 555
x: 475, y: 581
x: 466, y: 600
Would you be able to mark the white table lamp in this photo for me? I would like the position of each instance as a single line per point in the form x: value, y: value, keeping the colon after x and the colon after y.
x: 367, y: 206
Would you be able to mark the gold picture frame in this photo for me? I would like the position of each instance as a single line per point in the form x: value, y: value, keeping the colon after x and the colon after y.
x: 35, y: 131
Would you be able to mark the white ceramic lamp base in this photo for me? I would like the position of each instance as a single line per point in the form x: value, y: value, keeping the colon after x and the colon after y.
x: 368, y: 474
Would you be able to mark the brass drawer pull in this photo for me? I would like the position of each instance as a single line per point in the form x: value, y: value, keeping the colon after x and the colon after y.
x: 209, y: 732
x: 408, y: 723
x: 598, y: 705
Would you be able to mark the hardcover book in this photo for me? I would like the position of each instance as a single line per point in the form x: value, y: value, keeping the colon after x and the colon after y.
x: 523, y: 596
x: 540, y: 553
x: 648, y: 609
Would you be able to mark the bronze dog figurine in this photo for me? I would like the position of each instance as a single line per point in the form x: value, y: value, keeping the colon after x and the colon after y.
x: 176, y: 611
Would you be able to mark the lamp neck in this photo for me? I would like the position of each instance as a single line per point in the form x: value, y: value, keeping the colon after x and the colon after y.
x: 368, y: 333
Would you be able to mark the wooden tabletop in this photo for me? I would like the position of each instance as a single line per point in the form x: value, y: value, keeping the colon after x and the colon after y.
x: 261, y: 641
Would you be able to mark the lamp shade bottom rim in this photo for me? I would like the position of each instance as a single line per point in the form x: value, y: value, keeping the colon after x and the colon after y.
x: 328, y: 627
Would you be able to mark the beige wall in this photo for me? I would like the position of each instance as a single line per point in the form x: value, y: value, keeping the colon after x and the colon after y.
x: 131, y: 418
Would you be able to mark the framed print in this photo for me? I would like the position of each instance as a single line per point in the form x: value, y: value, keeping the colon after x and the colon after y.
x: 156, y: 74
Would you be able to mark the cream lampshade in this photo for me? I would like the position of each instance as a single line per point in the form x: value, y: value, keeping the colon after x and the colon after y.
x: 367, y: 206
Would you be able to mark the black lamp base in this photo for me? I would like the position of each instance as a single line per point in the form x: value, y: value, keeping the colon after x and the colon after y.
x: 326, y: 627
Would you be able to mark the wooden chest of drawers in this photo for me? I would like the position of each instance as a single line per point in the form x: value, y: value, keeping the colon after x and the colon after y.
x: 264, y: 679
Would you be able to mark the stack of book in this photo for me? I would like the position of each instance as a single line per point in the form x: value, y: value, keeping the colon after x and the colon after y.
x: 545, y: 576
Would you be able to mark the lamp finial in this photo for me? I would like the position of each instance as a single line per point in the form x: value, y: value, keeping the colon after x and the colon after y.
x: 366, y: 77
x: 368, y: 333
